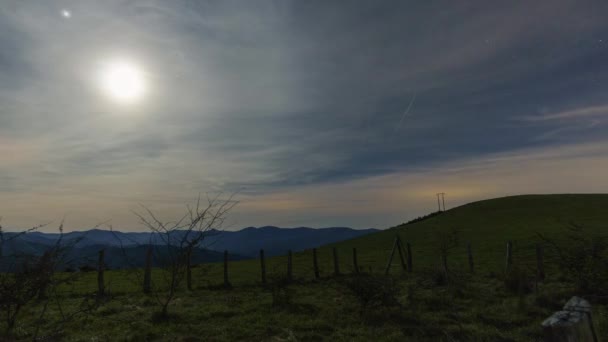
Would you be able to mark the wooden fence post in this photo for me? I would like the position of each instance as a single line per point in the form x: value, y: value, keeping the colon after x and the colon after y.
x: 409, y: 258
x: 444, y: 265
x: 336, y: 265
x: 100, y: 269
x: 355, y: 263
x: 509, y: 256
x: 470, y: 254
x: 289, y: 266
x: 148, y: 271
x: 188, y: 269
x: 401, y: 251
x: 226, y: 282
x: 263, y: 264
x: 390, y: 259
x: 315, y: 264
x: 540, y: 268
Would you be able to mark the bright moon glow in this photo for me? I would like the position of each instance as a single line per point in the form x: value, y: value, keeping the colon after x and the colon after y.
x: 123, y: 81
x: 66, y: 14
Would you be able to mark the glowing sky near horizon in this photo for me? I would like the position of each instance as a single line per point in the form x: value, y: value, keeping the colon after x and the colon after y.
x: 317, y: 113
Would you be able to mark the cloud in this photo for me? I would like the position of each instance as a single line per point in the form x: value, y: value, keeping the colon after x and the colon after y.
x: 384, y: 201
x: 277, y: 97
x: 579, y: 113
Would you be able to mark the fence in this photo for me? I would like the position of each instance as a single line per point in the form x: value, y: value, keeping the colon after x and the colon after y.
x: 307, y: 265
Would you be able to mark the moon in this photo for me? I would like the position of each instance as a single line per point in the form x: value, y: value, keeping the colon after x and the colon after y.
x: 123, y: 81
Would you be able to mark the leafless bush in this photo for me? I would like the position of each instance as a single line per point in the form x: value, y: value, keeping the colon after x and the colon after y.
x: 518, y: 280
x: 30, y: 278
x: 583, y: 259
x: 179, y: 239
x: 373, y: 291
x: 446, y: 243
x: 281, y: 292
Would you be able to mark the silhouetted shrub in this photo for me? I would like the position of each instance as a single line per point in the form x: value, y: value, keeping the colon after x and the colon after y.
x: 281, y: 293
x: 373, y: 291
x: 583, y: 259
x: 438, y: 277
x: 518, y: 280
x: 420, y: 218
x: 87, y: 268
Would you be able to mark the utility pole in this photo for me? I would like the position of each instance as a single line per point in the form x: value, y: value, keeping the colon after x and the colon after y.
x: 438, y: 204
x: 442, y: 201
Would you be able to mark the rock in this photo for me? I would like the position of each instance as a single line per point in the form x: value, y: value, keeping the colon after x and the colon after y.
x: 578, y: 304
x: 572, y: 324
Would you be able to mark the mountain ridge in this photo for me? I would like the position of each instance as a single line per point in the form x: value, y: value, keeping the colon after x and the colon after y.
x: 245, y: 242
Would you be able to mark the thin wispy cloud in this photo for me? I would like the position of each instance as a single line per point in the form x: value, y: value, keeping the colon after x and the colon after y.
x: 276, y: 97
x: 579, y: 113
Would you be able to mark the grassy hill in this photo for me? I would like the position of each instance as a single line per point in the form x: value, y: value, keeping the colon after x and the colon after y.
x: 473, y: 307
x: 487, y: 225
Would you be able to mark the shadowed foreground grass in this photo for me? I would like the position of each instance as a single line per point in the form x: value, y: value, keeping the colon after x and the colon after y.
x: 475, y: 308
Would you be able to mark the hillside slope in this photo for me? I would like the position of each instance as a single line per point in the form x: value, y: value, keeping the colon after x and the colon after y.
x: 487, y: 225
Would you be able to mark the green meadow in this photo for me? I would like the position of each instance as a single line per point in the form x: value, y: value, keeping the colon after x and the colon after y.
x: 422, y: 305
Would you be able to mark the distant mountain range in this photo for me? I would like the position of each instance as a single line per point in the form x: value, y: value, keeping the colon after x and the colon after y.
x: 127, y: 249
x: 277, y: 241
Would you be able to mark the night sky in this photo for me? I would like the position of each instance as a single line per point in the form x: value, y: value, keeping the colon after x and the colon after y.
x: 317, y: 113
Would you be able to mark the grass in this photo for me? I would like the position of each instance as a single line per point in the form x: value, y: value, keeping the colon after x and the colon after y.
x: 487, y: 225
x: 474, y: 307
x: 481, y: 310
